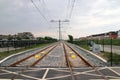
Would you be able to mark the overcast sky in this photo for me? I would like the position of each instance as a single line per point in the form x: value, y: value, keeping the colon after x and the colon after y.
x: 88, y: 17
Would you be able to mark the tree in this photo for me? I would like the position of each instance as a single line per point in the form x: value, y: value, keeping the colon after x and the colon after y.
x: 18, y: 38
x: 48, y: 38
x: 10, y: 37
x: 40, y: 38
x: 70, y: 38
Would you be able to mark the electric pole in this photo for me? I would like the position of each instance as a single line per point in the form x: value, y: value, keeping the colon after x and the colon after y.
x: 59, y: 21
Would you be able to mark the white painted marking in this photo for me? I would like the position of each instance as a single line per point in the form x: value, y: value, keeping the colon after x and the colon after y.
x: 21, y: 74
x: 94, y: 54
x: 46, y: 72
x: 113, y: 71
x: 104, y: 79
x: 15, y: 55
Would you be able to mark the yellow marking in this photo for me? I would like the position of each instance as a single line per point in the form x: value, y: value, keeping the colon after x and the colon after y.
x: 70, y: 52
x: 73, y: 56
x: 37, y: 56
x: 43, y: 52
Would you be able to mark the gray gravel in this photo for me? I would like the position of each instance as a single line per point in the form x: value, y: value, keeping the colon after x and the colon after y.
x: 54, y: 59
x: 92, y: 59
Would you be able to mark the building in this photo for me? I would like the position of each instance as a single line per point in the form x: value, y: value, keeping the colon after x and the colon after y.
x: 109, y: 35
x: 118, y: 33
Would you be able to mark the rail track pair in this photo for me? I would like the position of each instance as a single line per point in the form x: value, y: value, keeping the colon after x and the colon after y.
x: 69, y: 61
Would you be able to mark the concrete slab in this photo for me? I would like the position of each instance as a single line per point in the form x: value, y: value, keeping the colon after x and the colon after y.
x: 59, y: 74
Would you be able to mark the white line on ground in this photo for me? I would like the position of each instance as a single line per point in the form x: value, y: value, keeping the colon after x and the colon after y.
x: 46, y: 72
x: 93, y: 54
x: 113, y: 71
x: 21, y: 75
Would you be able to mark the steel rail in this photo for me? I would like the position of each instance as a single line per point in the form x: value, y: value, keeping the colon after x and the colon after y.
x: 87, y: 62
x: 32, y: 65
x: 68, y: 63
x: 21, y: 60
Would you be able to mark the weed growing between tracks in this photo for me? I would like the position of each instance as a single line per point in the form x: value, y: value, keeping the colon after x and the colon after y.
x: 8, y: 53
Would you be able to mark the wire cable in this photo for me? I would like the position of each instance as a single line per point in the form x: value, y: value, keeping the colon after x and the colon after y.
x: 45, y: 7
x: 39, y: 11
x: 72, y: 7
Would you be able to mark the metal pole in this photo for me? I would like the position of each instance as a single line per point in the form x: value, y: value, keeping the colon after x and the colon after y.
x: 111, y: 52
x: 59, y: 30
x: 103, y: 45
x: 8, y: 46
x: 59, y: 21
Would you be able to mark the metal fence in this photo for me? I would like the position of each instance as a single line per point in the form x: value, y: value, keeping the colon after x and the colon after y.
x: 110, y: 49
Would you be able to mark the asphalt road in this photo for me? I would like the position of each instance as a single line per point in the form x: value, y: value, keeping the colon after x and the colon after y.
x: 7, y: 49
x: 107, y: 48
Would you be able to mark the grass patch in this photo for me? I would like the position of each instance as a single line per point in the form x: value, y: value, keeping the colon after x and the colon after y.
x: 84, y: 46
x: 6, y: 53
x: 108, y: 42
x: 115, y: 57
x: 106, y: 55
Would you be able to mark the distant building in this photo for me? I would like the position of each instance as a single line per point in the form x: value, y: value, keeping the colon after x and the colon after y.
x: 109, y: 35
x: 82, y: 38
x: 113, y: 35
x: 118, y: 33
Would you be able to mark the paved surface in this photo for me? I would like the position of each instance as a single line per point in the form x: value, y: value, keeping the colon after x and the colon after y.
x: 107, y: 48
x: 7, y: 49
x: 85, y: 73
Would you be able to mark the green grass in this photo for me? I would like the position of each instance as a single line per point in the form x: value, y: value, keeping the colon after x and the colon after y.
x: 6, y: 53
x: 108, y: 42
x: 106, y: 55
x: 115, y: 57
x: 84, y: 46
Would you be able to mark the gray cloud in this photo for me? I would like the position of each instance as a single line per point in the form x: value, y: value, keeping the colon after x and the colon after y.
x: 89, y: 16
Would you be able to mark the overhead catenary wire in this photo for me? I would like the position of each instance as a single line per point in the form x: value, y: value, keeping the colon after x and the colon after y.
x: 39, y: 11
x: 72, y: 8
x: 67, y: 8
x: 44, y: 5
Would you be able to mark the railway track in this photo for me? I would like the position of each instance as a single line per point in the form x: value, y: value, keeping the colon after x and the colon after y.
x: 30, y: 60
x: 70, y: 64
x: 72, y: 59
